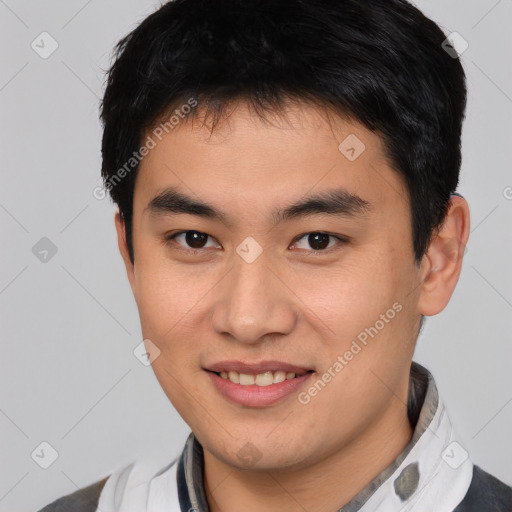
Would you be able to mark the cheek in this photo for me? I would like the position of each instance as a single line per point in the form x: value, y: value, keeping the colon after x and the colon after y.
x: 166, y: 292
x: 347, y: 298
x: 362, y: 310
x: 173, y: 307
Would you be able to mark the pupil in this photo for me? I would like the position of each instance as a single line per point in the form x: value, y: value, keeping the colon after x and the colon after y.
x: 195, y: 239
x: 318, y: 240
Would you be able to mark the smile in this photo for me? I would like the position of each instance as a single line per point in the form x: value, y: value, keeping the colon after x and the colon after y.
x: 258, y: 385
x: 261, y: 379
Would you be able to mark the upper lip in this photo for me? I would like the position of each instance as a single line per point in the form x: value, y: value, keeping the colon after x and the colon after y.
x: 256, y: 368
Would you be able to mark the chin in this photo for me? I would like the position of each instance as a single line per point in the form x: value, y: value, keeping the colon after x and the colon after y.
x: 261, y: 455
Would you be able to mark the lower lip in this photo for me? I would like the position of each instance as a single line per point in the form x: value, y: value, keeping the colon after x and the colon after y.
x: 257, y: 396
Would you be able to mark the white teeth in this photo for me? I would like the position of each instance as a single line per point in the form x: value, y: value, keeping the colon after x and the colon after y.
x: 262, y: 379
x: 279, y: 376
x: 234, y: 377
x: 246, y: 380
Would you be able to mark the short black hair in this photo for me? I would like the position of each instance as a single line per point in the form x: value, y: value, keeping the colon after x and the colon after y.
x: 380, y: 62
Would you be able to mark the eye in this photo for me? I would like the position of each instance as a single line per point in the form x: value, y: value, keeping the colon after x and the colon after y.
x: 318, y: 241
x: 192, y: 240
x: 195, y: 241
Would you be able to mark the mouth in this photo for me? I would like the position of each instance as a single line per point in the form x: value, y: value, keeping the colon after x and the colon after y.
x: 261, y: 379
x: 258, y: 385
x: 261, y: 374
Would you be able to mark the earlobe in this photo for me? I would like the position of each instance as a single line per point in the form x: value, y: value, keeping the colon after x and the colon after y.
x: 123, y: 248
x: 443, y: 259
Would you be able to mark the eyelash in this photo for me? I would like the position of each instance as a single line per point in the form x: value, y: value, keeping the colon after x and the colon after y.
x: 343, y: 240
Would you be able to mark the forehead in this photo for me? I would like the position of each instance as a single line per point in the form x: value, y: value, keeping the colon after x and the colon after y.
x: 245, y: 161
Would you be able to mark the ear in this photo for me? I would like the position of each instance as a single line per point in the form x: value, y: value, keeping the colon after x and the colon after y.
x: 442, y: 262
x: 123, y: 248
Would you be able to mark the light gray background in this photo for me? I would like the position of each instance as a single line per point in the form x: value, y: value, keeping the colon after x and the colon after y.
x: 68, y: 375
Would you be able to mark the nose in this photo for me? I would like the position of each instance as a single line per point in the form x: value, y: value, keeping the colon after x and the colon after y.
x: 254, y: 301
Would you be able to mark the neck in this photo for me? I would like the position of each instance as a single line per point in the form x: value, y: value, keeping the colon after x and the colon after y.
x: 324, y: 486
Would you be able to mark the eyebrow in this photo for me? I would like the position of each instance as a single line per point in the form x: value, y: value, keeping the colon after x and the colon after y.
x: 336, y: 202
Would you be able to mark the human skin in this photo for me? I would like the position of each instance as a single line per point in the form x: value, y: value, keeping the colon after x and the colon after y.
x: 292, y: 304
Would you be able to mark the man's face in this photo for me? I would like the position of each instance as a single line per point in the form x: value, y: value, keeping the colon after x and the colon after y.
x: 334, y: 294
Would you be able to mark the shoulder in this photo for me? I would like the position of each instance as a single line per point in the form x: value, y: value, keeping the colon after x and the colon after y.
x: 83, y: 500
x: 486, y: 494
